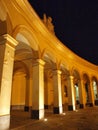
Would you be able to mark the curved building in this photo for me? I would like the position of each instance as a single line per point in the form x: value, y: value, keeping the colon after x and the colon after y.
x: 37, y: 71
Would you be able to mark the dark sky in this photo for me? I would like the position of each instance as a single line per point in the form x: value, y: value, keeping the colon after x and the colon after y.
x: 76, y: 24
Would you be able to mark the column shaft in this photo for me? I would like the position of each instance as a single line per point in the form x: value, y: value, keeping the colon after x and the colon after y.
x: 38, y: 90
x: 7, y: 49
x: 71, y: 95
x: 57, y: 92
x: 47, y: 94
x: 91, y: 94
x: 28, y: 98
x: 81, y: 94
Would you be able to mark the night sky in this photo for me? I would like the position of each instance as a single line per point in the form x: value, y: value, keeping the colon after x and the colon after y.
x: 75, y: 23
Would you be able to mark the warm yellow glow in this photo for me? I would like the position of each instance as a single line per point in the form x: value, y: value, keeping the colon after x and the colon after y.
x: 41, y: 114
x: 74, y: 107
x: 4, y: 122
x: 39, y: 51
x: 45, y: 119
x: 61, y: 109
x: 64, y: 113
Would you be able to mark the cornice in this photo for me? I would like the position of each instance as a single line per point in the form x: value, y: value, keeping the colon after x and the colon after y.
x: 34, y: 22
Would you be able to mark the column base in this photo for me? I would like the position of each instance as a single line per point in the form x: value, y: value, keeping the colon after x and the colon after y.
x: 37, y: 114
x: 81, y: 106
x: 46, y: 106
x: 26, y: 108
x: 91, y: 104
x: 70, y: 107
x: 5, y: 122
x: 57, y: 110
x: 96, y: 102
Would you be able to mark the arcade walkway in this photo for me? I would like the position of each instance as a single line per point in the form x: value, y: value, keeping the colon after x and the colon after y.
x: 86, y: 119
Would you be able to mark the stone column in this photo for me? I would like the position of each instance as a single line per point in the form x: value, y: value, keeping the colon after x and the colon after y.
x: 27, y: 95
x: 91, y: 94
x: 7, y: 50
x: 38, y: 90
x: 47, y: 94
x: 48, y: 89
x: 81, y: 94
x: 57, y: 92
x: 71, y: 94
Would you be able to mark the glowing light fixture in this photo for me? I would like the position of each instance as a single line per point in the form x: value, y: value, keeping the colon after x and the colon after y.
x: 64, y: 113
x: 45, y: 119
x: 76, y: 110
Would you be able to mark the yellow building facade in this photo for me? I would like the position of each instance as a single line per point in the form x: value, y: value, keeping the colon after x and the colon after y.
x: 37, y: 71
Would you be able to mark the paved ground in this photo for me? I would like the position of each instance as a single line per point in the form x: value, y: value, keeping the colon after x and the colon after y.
x: 86, y: 119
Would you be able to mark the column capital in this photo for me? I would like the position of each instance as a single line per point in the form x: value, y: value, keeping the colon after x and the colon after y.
x: 7, y: 39
x: 71, y: 77
x: 39, y: 61
x: 57, y: 71
x: 42, y: 62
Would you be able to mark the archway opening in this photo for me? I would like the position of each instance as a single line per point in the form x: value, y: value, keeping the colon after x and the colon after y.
x: 86, y: 93
x: 25, y: 55
x: 19, y: 86
x: 77, y: 86
x: 95, y: 90
x: 48, y: 82
x: 64, y: 84
x: 77, y: 94
x: 87, y: 90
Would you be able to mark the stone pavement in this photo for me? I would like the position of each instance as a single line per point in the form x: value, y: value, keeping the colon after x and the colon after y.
x: 82, y: 119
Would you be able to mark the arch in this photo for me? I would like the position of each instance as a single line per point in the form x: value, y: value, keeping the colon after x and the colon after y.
x: 75, y: 72
x: 94, y: 79
x: 26, y: 52
x: 19, y: 65
x: 49, y: 55
x: 95, y: 89
x: 28, y: 45
x: 65, y: 72
x: 85, y: 77
x: 64, y: 65
x: 21, y: 32
x: 50, y: 59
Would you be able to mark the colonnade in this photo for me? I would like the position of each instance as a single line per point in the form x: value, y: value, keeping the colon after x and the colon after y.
x: 36, y: 82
